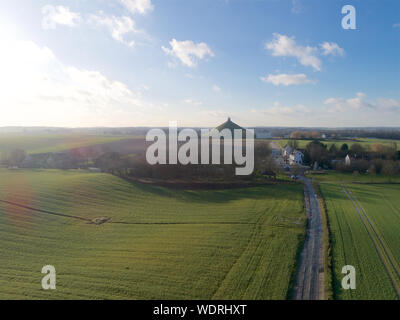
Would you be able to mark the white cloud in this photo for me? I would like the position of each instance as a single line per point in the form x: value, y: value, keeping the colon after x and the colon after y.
x: 216, y: 88
x: 278, y: 109
x: 341, y: 105
x: 396, y: 25
x: 284, y: 46
x: 188, y: 52
x: 193, y: 102
x: 287, y: 79
x: 139, y: 6
x: 53, y: 15
x: 38, y: 89
x: 391, y: 105
x: 360, y: 103
x: 119, y: 27
x: 331, y: 48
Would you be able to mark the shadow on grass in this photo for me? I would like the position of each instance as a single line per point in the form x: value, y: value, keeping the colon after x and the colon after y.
x: 277, y: 191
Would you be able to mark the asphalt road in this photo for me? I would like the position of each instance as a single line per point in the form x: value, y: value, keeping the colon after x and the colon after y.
x: 309, y: 283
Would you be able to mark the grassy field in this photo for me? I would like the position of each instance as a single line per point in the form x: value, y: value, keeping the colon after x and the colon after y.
x: 42, y: 143
x: 365, y: 142
x: 365, y: 233
x: 52, y: 142
x: 343, y: 177
x: 159, y: 243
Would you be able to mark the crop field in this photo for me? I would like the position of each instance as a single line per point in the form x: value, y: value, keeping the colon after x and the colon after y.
x: 52, y: 142
x: 365, y: 233
x: 158, y: 243
x: 345, y: 177
x: 365, y: 142
x: 42, y: 143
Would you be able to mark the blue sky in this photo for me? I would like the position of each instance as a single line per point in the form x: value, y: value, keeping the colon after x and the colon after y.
x: 147, y: 62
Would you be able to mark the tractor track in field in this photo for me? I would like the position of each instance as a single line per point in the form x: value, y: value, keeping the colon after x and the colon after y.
x: 114, y: 222
x: 181, y: 223
x: 382, y: 249
x: 252, y: 237
x: 396, y: 210
x: 93, y: 221
x: 45, y: 211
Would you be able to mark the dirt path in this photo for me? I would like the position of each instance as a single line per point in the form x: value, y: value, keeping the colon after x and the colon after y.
x: 309, y: 283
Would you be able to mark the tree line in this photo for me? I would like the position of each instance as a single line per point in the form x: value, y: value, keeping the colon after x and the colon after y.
x: 136, y: 165
x: 374, y: 159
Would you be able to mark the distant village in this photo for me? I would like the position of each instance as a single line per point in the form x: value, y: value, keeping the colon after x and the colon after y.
x: 319, y: 150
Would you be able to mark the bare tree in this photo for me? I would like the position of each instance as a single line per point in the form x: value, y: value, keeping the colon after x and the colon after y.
x: 372, y: 172
x: 389, y: 169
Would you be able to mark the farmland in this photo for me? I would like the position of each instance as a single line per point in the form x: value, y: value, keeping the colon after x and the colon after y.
x: 58, y: 142
x: 158, y: 244
x: 365, y: 142
x: 42, y: 143
x: 343, y: 177
x: 364, y: 223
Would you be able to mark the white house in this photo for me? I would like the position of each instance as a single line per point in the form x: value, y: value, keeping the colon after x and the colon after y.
x: 292, y: 156
x: 347, y: 161
x: 296, y: 157
x: 287, y: 151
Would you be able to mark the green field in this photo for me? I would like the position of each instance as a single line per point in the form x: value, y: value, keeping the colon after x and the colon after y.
x: 369, y: 241
x: 52, y: 142
x: 344, y: 177
x: 365, y: 142
x: 57, y: 142
x: 159, y: 243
